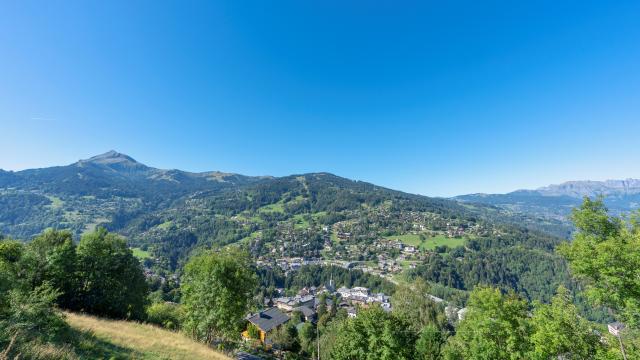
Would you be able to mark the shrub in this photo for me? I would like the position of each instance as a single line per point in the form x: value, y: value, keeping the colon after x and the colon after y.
x: 253, y: 332
x: 166, y: 314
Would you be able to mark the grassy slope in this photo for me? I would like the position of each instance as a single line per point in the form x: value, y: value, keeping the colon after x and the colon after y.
x: 140, y: 341
x: 140, y: 254
x: 430, y: 243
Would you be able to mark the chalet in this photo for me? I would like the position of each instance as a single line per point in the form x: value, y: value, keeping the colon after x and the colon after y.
x: 358, y: 300
x: 409, y: 249
x: 360, y: 291
x: 307, y: 312
x: 304, y: 291
x: 289, y: 303
x: 266, y: 321
x: 615, y: 328
x: 379, y: 298
x: 357, y: 291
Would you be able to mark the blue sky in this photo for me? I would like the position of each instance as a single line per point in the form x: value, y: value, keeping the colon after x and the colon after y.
x: 437, y: 98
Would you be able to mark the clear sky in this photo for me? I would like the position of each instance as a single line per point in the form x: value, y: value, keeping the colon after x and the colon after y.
x: 430, y: 97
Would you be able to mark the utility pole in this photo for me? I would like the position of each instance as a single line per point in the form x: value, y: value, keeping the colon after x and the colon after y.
x: 318, y: 341
x: 624, y: 354
x: 615, y: 329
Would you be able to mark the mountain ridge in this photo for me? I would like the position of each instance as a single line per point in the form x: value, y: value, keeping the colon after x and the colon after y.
x: 556, y: 201
x: 93, y: 191
x: 592, y: 188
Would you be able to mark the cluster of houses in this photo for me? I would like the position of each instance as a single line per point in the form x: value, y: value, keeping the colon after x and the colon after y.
x: 307, y: 301
x: 360, y: 296
x: 294, y: 263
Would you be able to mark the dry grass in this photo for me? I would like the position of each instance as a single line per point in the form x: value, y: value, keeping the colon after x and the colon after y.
x: 144, y: 341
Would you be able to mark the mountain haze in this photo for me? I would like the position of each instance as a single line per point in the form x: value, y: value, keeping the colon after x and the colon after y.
x: 556, y: 201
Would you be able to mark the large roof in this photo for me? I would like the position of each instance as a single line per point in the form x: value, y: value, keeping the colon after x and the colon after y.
x: 269, y: 319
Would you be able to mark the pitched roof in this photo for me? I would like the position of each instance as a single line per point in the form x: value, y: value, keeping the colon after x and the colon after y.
x: 617, y: 325
x: 306, y: 311
x: 269, y: 319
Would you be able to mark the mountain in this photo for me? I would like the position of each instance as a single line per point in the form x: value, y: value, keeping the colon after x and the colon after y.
x: 556, y: 201
x: 171, y: 214
x: 89, y: 192
x: 113, y: 172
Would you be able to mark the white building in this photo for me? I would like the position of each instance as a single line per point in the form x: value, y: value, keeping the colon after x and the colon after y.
x: 615, y: 328
x: 462, y: 313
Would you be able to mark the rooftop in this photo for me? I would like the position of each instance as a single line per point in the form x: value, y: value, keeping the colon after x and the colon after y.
x: 269, y: 319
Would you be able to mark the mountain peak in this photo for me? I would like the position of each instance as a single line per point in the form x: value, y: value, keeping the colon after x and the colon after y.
x: 111, y: 156
x: 116, y: 161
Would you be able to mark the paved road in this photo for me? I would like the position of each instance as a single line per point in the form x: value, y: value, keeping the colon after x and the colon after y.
x: 245, y: 356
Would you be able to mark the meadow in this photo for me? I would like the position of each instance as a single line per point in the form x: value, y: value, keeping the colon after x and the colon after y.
x: 132, y: 340
x: 429, y: 243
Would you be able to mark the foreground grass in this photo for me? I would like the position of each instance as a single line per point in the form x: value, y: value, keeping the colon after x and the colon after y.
x: 131, y: 340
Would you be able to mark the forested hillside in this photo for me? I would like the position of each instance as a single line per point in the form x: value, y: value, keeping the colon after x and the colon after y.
x: 105, y: 189
x: 169, y: 214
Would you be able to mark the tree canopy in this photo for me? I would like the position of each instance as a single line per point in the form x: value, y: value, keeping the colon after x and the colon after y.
x: 411, y: 302
x: 605, y: 255
x: 111, y: 279
x: 217, y: 287
x: 374, y: 334
x: 494, y: 327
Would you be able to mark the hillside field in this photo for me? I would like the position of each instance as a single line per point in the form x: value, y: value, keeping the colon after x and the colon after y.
x: 131, y: 340
x: 429, y: 243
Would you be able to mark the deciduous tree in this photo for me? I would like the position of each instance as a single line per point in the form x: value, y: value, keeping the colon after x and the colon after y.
x: 217, y: 287
x: 51, y: 257
x: 495, y: 327
x: 605, y: 255
x: 560, y: 332
x: 374, y: 334
x: 111, y: 280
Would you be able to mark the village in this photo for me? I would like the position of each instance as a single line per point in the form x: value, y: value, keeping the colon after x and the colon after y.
x: 304, y: 307
x: 364, y: 236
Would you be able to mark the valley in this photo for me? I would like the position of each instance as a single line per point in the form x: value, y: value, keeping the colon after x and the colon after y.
x: 317, y: 218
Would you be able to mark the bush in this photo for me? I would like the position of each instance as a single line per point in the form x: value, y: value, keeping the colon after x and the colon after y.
x: 253, y: 332
x: 30, y: 317
x: 166, y: 314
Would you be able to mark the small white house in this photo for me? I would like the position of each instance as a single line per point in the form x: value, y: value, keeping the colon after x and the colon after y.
x: 462, y: 313
x: 615, y: 328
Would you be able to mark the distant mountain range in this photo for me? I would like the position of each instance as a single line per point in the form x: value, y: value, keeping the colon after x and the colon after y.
x: 556, y: 201
x: 115, y: 190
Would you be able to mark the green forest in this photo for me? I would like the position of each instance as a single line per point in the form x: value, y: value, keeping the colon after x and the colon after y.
x: 99, y: 275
